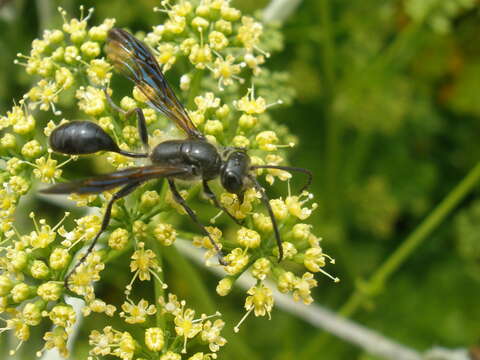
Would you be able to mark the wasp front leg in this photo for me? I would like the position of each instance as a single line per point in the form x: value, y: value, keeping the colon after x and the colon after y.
x: 211, y: 195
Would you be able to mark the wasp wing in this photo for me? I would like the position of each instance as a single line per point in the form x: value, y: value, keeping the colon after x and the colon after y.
x: 133, y: 59
x: 110, y: 181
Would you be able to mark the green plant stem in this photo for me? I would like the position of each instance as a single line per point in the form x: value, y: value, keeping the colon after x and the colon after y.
x: 377, y: 281
x: 159, y: 290
x: 332, y: 128
x: 195, y: 85
x: 431, y: 222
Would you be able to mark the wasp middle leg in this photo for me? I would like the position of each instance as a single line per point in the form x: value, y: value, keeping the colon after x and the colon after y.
x: 179, y: 199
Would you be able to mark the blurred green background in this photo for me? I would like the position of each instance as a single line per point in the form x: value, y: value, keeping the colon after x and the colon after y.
x: 387, y: 113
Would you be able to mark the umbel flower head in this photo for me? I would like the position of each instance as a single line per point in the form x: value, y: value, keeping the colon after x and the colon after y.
x: 228, y: 100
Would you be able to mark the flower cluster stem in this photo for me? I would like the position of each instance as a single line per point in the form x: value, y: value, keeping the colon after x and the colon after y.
x: 158, y: 288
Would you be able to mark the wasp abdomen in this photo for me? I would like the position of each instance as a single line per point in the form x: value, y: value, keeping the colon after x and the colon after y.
x: 81, y: 137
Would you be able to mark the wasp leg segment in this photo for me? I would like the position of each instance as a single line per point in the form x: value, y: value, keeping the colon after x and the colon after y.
x: 179, y: 199
x: 289, y: 168
x: 142, y: 124
x: 127, y: 189
x: 266, y: 203
x: 211, y: 195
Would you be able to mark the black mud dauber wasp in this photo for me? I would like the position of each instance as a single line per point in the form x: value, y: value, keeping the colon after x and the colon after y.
x: 193, y: 158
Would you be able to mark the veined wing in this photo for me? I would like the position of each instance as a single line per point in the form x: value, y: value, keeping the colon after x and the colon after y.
x: 102, y: 183
x: 133, y: 59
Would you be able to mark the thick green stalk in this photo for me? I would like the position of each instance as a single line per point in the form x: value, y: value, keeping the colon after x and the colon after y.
x: 332, y: 126
x: 407, y: 248
x: 420, y: 234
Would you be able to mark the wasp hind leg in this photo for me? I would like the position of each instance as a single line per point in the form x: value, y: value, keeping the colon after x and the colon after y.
x: 127, y: 189
x: 179, y: 199
x: 142, y: 124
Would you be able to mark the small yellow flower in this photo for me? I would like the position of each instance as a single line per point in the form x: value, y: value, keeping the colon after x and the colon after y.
x: 149, y: 199
x: 64, y: 78
x: 165, y: 234
x: 6, y: 284
x: 143, y: 263
x: 59, y: 258
x: 24, y: 125
x: 46, y: 169
x: 154, y: 339
x: 261, y: 268
x: 63, y: 315
x: 217, y: 40
x: 211, y: 334
x: 286, y: 281
x: 8, y: 141
x: 92, y: 101
x: 213, y: 127
x: 32, y: 313
x: 19, y: 185
x: 186, y: 326
x: 170, y: 355
x: 200, y: 56
x: 303, y: 287
x: 99, y: 72
x: 248, y: 238
x: 167, y: 55
x: 260, y: 302
x: 249, y: 33
x: 260, y: 299
x: 56, y: 339
x: 32, y: 149
x: 224, y: 286
x: 39, y: 269
x: 90, y: 49
x: 267, y: 140
x: 237, y: 259
x: 118, y: 239
x: 50, y: 291
x: 295, y: 203
x: 279, y: 208
x: 136, y: 314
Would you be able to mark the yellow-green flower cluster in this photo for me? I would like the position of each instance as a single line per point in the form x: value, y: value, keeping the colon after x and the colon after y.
x: 223, y: 49
x: 212, y: 35
x: 160, y: 342
x: 31, y: 283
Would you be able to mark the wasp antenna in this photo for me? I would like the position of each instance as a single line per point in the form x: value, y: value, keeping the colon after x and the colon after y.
x: 289, y: 168
x: 266, y: 203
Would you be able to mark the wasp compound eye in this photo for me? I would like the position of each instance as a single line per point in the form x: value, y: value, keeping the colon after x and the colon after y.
x: 81, y: 137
